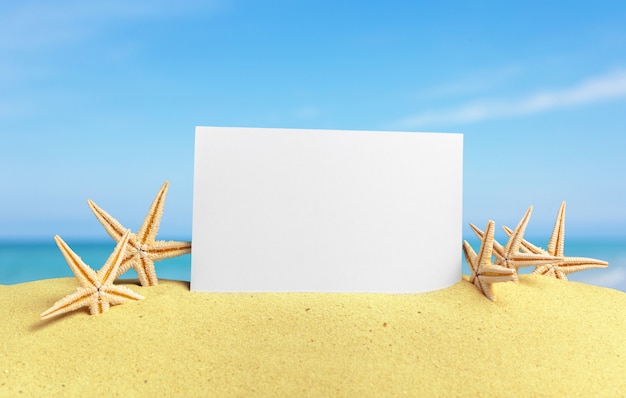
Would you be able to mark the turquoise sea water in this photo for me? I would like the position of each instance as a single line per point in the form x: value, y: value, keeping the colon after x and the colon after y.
x: 29, y: 261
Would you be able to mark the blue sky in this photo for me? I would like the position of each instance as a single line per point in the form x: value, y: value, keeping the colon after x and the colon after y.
x: 100, y: 99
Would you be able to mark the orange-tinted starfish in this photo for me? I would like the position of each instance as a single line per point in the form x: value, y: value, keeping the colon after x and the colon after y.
x: 509, y: 256
x: 484, y: 272
x: 96, y: 290
x: 143, y: 250
x: 567, y: 265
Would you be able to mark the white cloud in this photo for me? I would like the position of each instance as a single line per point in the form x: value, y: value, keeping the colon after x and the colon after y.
x: 471, y: 84
x: 600, y: 88
x: 30, y: 24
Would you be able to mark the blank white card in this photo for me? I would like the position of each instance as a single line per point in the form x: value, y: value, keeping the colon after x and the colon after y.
x: 281, y: 210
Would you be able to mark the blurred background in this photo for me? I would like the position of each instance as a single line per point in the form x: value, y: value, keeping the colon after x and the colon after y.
x: 100, y: 100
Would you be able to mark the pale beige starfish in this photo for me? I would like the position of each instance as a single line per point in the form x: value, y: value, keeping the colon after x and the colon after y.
x: 567, y: 265
x: 509, y: 256
x: 96, y: 290
x: 143, y: 250
x: 484, y: 272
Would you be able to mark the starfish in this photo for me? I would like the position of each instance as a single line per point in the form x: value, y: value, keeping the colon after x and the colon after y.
x: 566, y: 265
x: 96, y: 290
x: 142, y: 249
x: 509, y: 256
x: 484, y: 272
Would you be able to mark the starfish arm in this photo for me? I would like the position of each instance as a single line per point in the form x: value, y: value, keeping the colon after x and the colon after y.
x: 498, y: 249
x: 98, y: 306
x: 81, y: 298
x: 495, y: 270
x: 486, y: 248
x: 470, y: 257
x: 110, y: 224
x: 575, y: 264
x: 120, y: 294
x: 526, y: 246
x: 520, y: 260
x: 127, y: 261
x: 488, y: 292
x: 516, y: 238
x: 148, y: 230
x: 108, y: 272
x: 498, y: 252
x: 477, y: 231
x: 557, y: 239
x: 100, y: 293
x: 499, y: 278
x: 485, y: 288
x: 143, y: 261
x: 550, y: 270
x: 85, y: 275
x: 559, y: 274
x: 160, y: 250
x: 484, y: 272
x: 144, y: 266
x: 488, y: 275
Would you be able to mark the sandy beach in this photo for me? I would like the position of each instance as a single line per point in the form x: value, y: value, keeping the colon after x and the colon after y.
x: 543, y: 337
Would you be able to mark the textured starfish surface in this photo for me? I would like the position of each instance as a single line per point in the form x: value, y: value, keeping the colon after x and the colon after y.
x: 509, y: 256
x: 143, y: 250
x: 484, y: 272
x: 96, y: 290
x: 566, y: 265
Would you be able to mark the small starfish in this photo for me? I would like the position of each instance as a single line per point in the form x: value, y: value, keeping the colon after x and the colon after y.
x: 142, y: 249
x: 566, y: 265
x: 509, y: 256
x: 484, y: 272
x: 96, y: 290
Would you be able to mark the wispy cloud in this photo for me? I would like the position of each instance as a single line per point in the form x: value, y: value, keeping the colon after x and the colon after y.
x: 35, y: 23
x: 599, y: 88
x: 471, y: 84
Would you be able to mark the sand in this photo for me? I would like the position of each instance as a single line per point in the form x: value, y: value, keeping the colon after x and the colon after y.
x: 543, y: 337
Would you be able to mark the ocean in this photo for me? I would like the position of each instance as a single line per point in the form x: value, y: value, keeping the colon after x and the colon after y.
x: 30, y: 261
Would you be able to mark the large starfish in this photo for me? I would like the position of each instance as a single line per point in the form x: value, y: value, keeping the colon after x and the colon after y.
x: 509, y: 256
x: 566, y: 265
x: 96, y: 290
x: 143, y: 250
x: 484, y: 272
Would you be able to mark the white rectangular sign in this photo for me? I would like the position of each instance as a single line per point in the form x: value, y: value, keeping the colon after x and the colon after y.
x: 280, y: 210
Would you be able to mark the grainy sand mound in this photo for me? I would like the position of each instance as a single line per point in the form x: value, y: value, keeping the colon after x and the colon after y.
x: 543, y: 337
